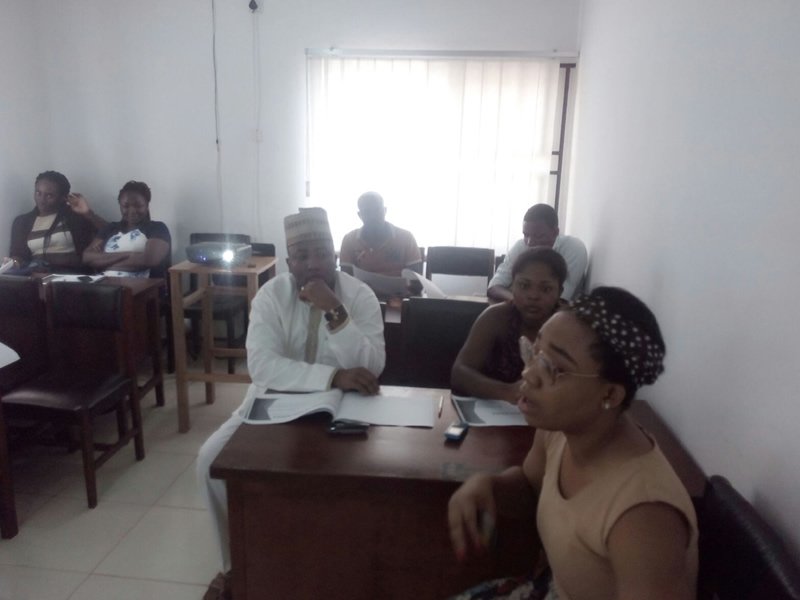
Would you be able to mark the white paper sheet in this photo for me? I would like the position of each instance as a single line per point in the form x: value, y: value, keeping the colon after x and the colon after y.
x: 479, y: 412
x: 7, y: 355
x: 72, y: 278
x: 389, y: 410
x: 429, y: 289
x: 383, y: 285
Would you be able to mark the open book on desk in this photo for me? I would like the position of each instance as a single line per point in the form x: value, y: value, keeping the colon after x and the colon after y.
x: 479, y: 412
x: 281, y: 407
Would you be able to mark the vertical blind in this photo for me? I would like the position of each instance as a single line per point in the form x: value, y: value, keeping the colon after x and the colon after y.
x: 458, y: 148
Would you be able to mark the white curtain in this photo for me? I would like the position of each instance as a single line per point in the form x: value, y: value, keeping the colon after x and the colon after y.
x: 458, y: 148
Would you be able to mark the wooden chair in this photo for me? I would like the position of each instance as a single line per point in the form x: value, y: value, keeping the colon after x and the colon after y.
x: 455, y: 260
x: 8, y: 509
x: 225, y: 308
x: 89, y: 324
x: 433, y: 331
x: 23, y: 328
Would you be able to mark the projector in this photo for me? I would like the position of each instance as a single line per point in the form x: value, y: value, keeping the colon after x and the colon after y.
x: 218, y: 254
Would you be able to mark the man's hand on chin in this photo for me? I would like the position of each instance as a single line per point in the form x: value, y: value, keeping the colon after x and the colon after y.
x: 358, y: 379
x: 317, y: 292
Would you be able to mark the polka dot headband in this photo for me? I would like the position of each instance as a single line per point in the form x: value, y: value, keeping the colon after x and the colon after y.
x: 644, y: 359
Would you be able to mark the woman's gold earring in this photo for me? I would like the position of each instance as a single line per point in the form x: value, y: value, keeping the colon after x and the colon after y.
x: 606, y: 405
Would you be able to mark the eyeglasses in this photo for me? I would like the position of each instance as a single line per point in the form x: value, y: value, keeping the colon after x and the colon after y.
x: 551, y: 373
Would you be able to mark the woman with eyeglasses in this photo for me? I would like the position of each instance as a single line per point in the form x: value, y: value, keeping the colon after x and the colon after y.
x: 613, y: 517
x: 489, y: 364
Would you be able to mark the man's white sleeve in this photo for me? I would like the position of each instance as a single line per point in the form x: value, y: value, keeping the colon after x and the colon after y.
x: 267, y: 343
x: 502, y: 276
x: 360, y: 343
x: 576, y: 257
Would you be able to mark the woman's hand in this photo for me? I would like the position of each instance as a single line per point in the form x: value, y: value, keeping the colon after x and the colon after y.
x: 78, y: 204
x: 471, y: 514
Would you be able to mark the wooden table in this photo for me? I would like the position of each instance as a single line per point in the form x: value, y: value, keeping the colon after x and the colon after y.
x: 255, y: 266
x: 315, y: 516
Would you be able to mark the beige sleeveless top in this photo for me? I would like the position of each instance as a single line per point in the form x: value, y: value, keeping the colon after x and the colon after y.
x: 575, y: 532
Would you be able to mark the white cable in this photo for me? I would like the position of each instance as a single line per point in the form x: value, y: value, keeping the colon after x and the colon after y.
x: 257, y: 119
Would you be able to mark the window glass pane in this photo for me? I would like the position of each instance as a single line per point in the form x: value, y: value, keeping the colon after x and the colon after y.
x: 459, y: 148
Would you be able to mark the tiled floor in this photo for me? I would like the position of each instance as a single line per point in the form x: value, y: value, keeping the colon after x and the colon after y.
x: 149, y: 536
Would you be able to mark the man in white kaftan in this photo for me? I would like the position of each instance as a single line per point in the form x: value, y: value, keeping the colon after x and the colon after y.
x: 311, y: 329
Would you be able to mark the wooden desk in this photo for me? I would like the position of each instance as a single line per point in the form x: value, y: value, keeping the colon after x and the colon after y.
x: 314, y: 516
x: 255, y: 266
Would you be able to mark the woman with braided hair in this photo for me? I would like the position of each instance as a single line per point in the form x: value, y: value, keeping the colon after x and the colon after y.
x: 55, y: 233
x: 613, y: 517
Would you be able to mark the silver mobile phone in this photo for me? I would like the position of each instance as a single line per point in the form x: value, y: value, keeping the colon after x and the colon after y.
x: 456, y: 431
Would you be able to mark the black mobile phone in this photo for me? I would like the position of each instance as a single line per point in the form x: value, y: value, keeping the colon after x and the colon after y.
x: 346, y: 427
x: 456, y: 431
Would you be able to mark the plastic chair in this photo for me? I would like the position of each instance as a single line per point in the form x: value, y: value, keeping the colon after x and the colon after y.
x: 79, y: 386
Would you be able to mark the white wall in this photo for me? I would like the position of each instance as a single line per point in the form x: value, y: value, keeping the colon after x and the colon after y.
x: 685, y: 189
x: 24, y: 126
x: 130, y: 91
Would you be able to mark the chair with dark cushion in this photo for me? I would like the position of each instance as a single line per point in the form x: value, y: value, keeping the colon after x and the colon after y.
x: 455, y: 260
x: 224, y: 308
x: 92, y: 372
x: 433, y: 331
x: 22, y: 328
x: 741, y: 557
x: 8, y: 508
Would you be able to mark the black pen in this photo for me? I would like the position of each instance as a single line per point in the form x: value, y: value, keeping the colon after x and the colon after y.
x: 441, y: 403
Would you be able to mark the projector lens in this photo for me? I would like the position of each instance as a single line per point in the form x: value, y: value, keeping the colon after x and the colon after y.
x: 227, y: 256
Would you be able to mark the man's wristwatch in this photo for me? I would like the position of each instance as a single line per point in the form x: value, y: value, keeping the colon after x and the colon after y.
x: 336, y: 316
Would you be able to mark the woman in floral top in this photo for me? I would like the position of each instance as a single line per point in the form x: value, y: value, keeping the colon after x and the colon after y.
x: 136, y: 246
